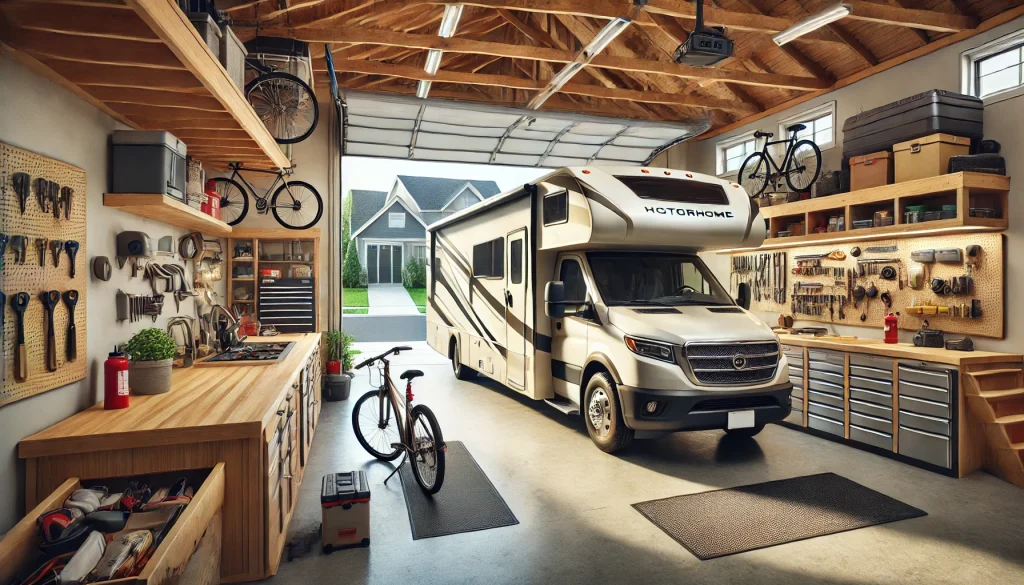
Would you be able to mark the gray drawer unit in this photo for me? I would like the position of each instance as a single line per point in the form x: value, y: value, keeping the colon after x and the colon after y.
x: 829, y: 377
x: 931, y: 393
x: 924, y: 446
x: 829, y: 412
x: 826, y: 387
x: 871, y: 437
x: 825, y: 424
x: 823, y: 398
x: 816, y: 366
x: 823, y: 355
x: 870, y: 409
x: 925, y: 374
x: 925, y: 407
x: 872, y: 397
x: 884, y: 387
x: 797, y: 379
x: 928, y: 424
x: 794, y: 355
x: 872, y: 361
x: 797, y: 404
x: 871, y: 373
x: 871, y: 422
x: 797, y: 392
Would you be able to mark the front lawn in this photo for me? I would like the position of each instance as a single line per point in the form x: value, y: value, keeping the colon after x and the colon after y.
x: 419, y: 296
x: 357, y: 301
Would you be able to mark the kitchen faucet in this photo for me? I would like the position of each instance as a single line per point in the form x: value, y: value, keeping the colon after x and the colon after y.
x: 227, y: 336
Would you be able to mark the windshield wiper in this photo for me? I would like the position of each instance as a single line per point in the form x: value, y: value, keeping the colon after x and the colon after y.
x: 646, y: 302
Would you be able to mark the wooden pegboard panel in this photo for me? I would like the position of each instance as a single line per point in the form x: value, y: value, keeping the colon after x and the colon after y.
x: 33, y: 279
x: 989, y: 282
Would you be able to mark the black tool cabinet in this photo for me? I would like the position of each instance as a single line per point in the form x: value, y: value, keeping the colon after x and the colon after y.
x: 289, y: 304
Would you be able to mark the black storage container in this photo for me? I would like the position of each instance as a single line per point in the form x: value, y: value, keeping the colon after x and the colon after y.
x: 147, y: 162
x: 931, y: 112
x: 288, y: 304
x: 979, y: 163
x: 831, y: 183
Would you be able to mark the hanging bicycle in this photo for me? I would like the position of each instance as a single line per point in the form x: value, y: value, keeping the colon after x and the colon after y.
x: 295, y: 204
x: 800, y: 164
x: 284, y: 102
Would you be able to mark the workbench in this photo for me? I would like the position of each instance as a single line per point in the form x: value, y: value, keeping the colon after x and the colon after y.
x: 258, y: 421
x: 897, y: 400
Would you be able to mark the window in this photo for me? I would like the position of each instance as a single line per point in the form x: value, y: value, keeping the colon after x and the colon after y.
x: 488, y: 259
x: 396, y: 219
x: 571, y: 275
x: 677, y: 190
x: 820, y: 126
x: 515, y: 260
x: 994, y: 70
x: 640, y: 278
x: 556, y: 208
x: 419, y: 253
x: 732, y: 153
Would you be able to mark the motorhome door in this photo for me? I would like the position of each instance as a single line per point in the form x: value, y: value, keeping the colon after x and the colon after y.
x: 515, y: 308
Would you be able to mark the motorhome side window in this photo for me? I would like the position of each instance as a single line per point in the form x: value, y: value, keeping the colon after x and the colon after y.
x: 488, y: 259
x: 515, y: 259
x: 571, y: 276
x: 556, y: 208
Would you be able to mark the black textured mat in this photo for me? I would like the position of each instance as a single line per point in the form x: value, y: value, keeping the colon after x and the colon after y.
x: 467, y: 501
x: 734, y: 520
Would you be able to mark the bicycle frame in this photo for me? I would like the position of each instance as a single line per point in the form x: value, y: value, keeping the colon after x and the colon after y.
x: 280, y: 177
x: 394, y: 399
x: 789, y: 142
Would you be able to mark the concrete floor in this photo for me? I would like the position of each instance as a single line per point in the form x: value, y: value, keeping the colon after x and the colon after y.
x: 390, y: 299
x: 577, y: 526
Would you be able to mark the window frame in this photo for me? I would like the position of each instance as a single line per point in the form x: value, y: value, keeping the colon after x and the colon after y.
x: 544, y: 219
x: 970, y: 59
x: 828, y: 108
x: 497, y: 253
x: 516, y: 268
x: 392, y: 215
x: 723, y: 145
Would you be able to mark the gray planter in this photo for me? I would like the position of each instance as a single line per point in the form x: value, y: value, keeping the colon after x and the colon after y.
x: 153, y: 377
x: 337, y: 387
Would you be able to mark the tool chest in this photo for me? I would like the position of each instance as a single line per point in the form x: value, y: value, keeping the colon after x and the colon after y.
x: 289, y: 304
x: 147, y: 162
x: 345, y: 503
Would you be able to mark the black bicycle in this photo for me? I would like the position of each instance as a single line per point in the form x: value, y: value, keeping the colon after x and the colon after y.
x: 800, y: 165
x: 285, y: 103
x: 295, y: 204
x: 387, y: 425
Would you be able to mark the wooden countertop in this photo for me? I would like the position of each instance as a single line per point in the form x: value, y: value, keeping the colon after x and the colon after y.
x: 902, y: 350
x: 204, y: 404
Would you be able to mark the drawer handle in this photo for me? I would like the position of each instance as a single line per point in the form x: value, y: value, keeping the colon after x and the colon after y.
x: 880, y: 434
x: 926, y: 433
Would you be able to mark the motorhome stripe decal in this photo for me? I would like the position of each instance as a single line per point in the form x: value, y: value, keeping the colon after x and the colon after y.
x: 440, y: 313
x: 542, y: 342
x: 474, y: 285
x: 493, y: 342
x: 568, y: 372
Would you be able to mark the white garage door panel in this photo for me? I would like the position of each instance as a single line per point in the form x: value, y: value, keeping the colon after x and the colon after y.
x: 583, y: 151
x: 633, y: 141
x: 359, y: 149
x: 451, y: 142
x: 620, y: 153
x: 380, y: 136
x: 530, y: 134
x: 461, y: 130
x: 517, y: 146
x: 387, y: 123
x: 451, y: 155
x: 561, y: 161
x: 521, y: 160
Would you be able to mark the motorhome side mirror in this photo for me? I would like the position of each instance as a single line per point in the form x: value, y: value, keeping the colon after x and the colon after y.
x: 554, y: 299
x: 744, y: 296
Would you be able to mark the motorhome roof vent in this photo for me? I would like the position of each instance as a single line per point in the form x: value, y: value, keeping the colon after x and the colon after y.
x: 725, y: 309
x: 657, y: 311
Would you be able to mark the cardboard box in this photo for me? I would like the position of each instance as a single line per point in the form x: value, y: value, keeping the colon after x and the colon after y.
x: 928, y: 156
x: 870, y: 170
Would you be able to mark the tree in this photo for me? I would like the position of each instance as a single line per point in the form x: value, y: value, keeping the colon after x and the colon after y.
x: 346, y: 221
x: 351, y: 270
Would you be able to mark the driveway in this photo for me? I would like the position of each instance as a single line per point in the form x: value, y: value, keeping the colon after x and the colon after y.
x: 390, y: 299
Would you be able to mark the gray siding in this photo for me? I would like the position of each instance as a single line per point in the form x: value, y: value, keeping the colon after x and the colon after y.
x: 380, y: 229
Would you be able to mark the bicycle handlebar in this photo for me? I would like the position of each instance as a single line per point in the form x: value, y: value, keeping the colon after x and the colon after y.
x: 393, y: 350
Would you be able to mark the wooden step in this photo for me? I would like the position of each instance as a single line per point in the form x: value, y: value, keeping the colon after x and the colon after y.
x: 996, y: 395
x: 1017, y: 446
x: 1010, y: 419
x: 985, y: 373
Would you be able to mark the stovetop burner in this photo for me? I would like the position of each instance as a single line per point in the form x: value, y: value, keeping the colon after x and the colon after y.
x: 253, y: 352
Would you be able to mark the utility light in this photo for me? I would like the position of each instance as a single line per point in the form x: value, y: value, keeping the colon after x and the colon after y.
x: 423, y: 89
x: 433, y: 61
x: 605, y: 36
x: 812, y: 23
x: 450, y: 20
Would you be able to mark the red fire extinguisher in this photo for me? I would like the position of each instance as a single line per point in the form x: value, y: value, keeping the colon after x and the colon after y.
x: 211, y: 206
x: 892, y: 331
x: 115, y: 380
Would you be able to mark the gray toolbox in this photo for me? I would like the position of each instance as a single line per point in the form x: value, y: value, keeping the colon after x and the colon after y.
x: 871, y: 400
x: 927, y: 417
x: 931, y: 112
x: 289, y: 304
x: 825, y: 372
x: 144, y: 161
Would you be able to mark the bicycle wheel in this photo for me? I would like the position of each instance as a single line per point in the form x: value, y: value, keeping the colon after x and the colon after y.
x: 286, y: 105
x: 804, y: 166
x: 234, y: 200
x: 754, y: 173
x: 376, y: 425
x: 428, y: 450
x: 299, y: 208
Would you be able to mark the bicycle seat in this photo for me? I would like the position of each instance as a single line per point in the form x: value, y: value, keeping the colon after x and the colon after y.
x: 410, y: 374
x: 760, y: 134
x: 796, y: 128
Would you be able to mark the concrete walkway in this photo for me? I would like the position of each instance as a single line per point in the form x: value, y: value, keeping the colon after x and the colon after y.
x: 390, y: 299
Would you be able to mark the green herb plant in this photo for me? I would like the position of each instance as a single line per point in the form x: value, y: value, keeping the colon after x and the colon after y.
x: 151, y: 344
x: 347, y: 353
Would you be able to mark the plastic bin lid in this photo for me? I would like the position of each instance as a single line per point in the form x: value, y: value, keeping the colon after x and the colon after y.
x: 343, y: 487
x: 149, y: 138
x: 930, y: 139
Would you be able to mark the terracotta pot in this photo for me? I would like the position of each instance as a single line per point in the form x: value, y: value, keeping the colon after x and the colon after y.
x: 334, y: 367
x: 152, y: 377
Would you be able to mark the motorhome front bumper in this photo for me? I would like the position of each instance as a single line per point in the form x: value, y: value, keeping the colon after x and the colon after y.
x: 693, y: 410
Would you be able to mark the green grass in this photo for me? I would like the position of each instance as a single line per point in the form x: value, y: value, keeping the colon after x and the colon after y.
x: 356, y: 298
x: 356, y: 311
x: 419, y: 296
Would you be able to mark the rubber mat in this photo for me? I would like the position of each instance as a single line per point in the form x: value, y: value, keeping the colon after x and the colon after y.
x: 734, y: 520
x: 467, y: 501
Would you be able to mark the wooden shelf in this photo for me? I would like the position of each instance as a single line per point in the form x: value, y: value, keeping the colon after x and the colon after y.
x: 964, y: 189
x: 170, y: 211
x: 242, y: 278
x: 144, y: 64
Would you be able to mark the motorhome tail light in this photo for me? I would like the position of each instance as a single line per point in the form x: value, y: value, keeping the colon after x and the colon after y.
x: 653, y: 350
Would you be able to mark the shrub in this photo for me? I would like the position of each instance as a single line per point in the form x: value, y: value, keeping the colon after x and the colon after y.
x: 347, y: 353
x: 364, y: 279
x: 414, y: 275
x: 150, y: 345
x: 350, y: 272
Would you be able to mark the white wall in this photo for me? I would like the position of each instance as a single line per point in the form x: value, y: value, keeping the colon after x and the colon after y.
x: 1004, y: 122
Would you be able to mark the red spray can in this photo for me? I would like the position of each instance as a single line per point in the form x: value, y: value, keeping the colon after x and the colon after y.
x: 115, y: 380
x: 892, y: 331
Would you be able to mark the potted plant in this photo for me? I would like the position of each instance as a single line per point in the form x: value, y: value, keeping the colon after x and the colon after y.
x: 151, y: 353
x: 334, y: 344
x: 339, y: 349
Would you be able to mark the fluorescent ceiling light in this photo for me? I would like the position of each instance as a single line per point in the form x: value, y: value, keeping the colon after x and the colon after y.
x: 812, y: 23
x: 600, y: 42
x: 422, y: 89
x: 605, y: 36
x: 450, y: 20
x: 433, y: 61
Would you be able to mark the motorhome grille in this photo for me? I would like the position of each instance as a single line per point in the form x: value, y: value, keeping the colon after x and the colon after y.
x: 660, y: 311
x: 716, y: 363
x: 737, y: 403
x: 725, y: 310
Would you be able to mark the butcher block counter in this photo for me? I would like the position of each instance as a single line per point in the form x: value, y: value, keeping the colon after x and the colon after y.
x: 258, y: 420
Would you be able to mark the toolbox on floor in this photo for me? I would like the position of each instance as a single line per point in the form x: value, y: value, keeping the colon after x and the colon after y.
x: 870, y: 170
x: 928, y: 156
x: 931, y: 112
x: 345, y: 503
x: 147, y: 162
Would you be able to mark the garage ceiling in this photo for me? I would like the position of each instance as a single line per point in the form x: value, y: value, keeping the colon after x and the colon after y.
x: 504, y: 52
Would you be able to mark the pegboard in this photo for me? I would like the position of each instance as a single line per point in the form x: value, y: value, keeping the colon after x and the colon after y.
x: 988, y: 275
x: 33, y: 279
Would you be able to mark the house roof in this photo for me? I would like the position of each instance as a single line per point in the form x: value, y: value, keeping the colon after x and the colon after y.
x: 365, y: 204
x: 432, y: 193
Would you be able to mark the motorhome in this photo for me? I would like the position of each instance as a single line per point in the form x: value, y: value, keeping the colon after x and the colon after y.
x: 584, y: 289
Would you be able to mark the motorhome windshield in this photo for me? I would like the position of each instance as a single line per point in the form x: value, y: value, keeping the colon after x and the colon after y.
x: 646, y: 278
x: 677, y: 190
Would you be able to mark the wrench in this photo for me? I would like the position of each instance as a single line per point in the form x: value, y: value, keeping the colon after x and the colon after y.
x: 50, y: 300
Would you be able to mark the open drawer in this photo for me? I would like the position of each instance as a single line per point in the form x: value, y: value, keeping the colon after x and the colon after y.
x: 190, y: 553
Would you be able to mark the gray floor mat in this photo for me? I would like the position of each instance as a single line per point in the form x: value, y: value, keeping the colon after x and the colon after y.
x: 729, y: 521
x: 467, y: 501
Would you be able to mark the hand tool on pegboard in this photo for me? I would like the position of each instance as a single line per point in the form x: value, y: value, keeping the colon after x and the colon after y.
x: 41, y: 248
x: 22, y: 182
x: 54, y: 197
x: 3, y: 338
x: 43, y: 194
x: 3, y: 248
x: 71, y: 247
x: 20, y: 304
x: 56, y: 248
x: 50, y: 300
x: 18, y: 244
x: 71, y: 334
x: 67, y: 197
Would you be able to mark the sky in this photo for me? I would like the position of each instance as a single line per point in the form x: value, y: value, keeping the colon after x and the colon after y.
x: 378, y: 174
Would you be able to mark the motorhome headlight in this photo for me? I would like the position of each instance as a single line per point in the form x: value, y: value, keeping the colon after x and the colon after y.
x: 651, y: 349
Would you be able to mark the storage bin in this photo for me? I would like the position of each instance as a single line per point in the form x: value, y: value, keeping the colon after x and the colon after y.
x: 232, y: 56
x: 208, y: 29
x: 870, y: 170
x: 345, y: 504
x: 928, y: 156
x: 190, y: 552
x: 147, y: 162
